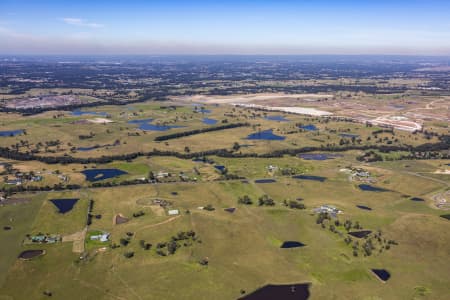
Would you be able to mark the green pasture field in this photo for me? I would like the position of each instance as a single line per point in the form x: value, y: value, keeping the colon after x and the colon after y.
x: 243, y: 248
x: 52, y: 126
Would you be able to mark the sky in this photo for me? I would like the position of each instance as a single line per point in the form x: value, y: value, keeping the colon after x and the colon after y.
x: 274, y: 27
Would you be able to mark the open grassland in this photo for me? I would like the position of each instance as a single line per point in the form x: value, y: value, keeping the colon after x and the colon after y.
x: 121, y: 137
x: 61, y: 223
x: 20, y: 218
x: 243, y: 248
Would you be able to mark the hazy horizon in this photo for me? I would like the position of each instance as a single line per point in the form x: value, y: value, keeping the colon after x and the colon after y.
x: 323, y: 27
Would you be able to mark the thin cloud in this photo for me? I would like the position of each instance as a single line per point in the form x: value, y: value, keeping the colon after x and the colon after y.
x: 81, y: 23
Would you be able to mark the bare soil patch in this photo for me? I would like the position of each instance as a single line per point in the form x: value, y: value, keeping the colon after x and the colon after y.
x: 78, y: 239
x: 120, y: 219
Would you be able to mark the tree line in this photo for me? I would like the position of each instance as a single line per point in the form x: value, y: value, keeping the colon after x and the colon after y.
x: 198, y: 131
x: 424, y: 151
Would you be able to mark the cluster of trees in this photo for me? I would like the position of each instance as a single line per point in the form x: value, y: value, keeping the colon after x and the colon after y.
x: 288, y: 171
x: 389, y: 130
x: 294, y: 204
x: 245, y: 200
x: 182, y: 238
x: 125, y: 241
x: 368, y: 247
x: 369, y: 242
x: 321, y: 217
x: 265, y: 200
x: 8, y: 169
x: 370, y: 156
x: 348, y: 225
x: 424, y: 151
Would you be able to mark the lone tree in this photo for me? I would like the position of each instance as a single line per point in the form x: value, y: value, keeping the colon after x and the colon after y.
x: 172, y: 247
x: 209, y: 207
x: 296, y: 205
x: 48, y: 293
x: 204, y: 261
